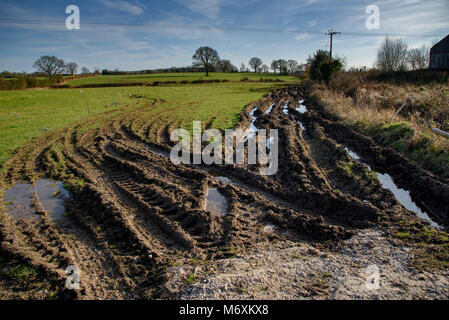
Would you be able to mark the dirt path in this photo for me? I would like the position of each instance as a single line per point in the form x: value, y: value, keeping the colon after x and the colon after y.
x: 137, y: 226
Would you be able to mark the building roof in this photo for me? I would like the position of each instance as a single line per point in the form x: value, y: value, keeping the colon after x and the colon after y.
x: 441, y: 47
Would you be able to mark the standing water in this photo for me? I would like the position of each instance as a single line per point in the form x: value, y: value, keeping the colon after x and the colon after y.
x: 301, y: 107
x: 215, y: 202
x: 49, y: 193
x: 252, y: 128
x: 401, y: 195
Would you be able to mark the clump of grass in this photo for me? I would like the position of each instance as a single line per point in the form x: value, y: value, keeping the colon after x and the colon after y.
x: 403, y: 235
x: 74, y: 185
x: 191, y: 278
x: 22, y: 273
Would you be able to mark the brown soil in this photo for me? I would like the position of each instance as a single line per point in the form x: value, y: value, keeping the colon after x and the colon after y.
x: 138, y: 214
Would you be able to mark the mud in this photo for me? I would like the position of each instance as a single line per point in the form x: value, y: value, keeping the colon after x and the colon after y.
x: 132, y: 215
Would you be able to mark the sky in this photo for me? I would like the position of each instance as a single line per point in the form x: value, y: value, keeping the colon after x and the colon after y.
x: 137, y: 35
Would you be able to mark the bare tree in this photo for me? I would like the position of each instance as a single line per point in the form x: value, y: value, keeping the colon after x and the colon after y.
x: 392, y: 55
x: 84, y: 70
x: 71, y: 67
x: 264, y: 68
x: 419, y: 58
x: 206, y: 57
x: 255, y: 63
x: 292, y: 66
x: 50, y: 65
x: 243, y: 67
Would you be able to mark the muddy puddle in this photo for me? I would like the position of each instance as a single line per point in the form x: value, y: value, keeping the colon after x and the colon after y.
x: 20, y: 198
x: 252, y: 128
x: 401, y: 195
x: 269, y: 228
x: 301, y: 125
x: 269, y: 109
x: 269, y: 142
x: 352, y: 154
x: 285, y: 109
x: 301, y: 107
x: 216, y: 202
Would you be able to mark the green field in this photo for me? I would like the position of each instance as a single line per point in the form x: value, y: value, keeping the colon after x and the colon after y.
x: 177, y: 77
x: 27, y: 114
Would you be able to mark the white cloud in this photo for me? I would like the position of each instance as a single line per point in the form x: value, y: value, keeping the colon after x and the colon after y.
x: 123, y: 6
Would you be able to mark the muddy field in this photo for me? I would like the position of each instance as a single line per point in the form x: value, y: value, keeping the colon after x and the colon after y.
x: 133, y: 217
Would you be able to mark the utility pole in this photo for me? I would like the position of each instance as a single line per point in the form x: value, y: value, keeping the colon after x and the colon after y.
x: 331, y: 33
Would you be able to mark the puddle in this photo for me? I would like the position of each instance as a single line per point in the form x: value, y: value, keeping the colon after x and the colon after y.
x: 401, y: 195
x: 269, y: 227
x: 252, y: 128
x: 225, y: 179
x: 302, y: 126
x: 404, y: 198
x: 301, y: 108
x: 352, y: 154
x: 215, y: 202
x: 49, y: 193
x: 285, y: 109
x: 269, y: 141
x: 269, y: 109
x: 19, y: 200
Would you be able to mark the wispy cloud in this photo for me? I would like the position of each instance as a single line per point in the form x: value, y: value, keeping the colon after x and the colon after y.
x: 124, y: 6
x: 311, y: 24
x: 209, y: 8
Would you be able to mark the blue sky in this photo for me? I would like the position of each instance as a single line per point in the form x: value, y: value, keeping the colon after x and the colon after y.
x: 137, y: 34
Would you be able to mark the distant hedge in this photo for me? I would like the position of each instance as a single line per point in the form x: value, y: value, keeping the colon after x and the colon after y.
x: 157, y: 83
x: 24, y: 82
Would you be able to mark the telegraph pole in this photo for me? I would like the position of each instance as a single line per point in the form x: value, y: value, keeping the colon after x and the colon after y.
x: 331, y: 33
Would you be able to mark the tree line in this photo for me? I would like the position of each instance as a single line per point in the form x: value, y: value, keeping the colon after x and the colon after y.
x: 209, y: 60
x: 393, y: 55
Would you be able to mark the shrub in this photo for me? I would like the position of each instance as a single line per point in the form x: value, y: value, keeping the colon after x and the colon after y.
x: 346, y: 82
x: 322, y: 66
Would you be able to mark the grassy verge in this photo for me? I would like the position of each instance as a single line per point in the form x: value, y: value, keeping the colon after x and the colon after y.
x: 370, y: 107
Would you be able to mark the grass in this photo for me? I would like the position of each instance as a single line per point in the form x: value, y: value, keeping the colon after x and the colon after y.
x: 403, y: 235
x: 21, y: 273
x: 176, y: 77
x: 190, y: 279
x: 27, y: 114
x: 370, y: 107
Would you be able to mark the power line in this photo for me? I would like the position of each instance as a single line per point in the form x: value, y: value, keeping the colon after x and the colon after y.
x: 331, y: 33
x: 209, y: 28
